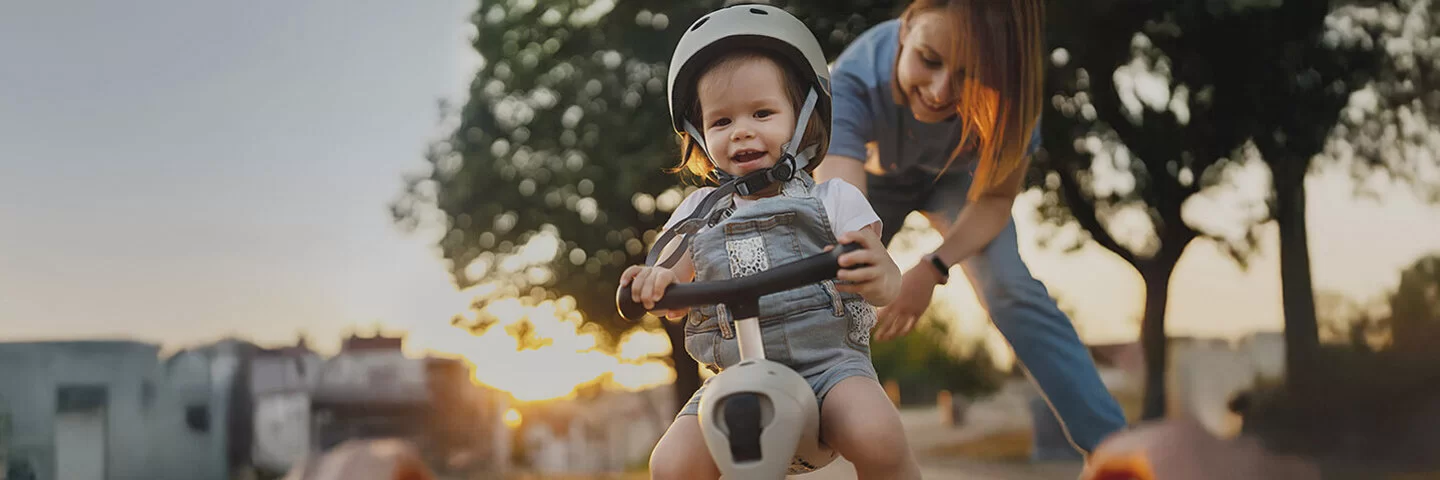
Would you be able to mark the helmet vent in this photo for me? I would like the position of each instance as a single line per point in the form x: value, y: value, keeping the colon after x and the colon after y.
x: 699, y: 23
x: 759, y: 11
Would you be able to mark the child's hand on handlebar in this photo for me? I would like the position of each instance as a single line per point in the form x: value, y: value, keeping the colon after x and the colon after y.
x: 649, y: 287
x: 874, y: 275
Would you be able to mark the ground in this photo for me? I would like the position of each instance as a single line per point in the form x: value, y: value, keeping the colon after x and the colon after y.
x: 988, y: 447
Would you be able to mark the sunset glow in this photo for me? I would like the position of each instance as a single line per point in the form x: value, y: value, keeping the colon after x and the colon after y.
x: 552, y: 356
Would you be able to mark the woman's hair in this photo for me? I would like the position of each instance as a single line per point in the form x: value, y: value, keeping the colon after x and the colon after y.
x: 817, y: 132
x: 1000, y: 93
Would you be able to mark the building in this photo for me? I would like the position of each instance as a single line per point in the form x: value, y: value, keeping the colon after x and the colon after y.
x: 372, y: 390
x: 98, y: 410
x: 609, y: 431
x: 93, y: 410
x: 1206, y: 374
x: 281, y: 382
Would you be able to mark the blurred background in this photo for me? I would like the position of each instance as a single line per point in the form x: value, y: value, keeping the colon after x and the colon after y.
x: 233, y: 236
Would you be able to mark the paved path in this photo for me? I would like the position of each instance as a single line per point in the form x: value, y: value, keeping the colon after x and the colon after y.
x: 923, y: 430
x: 1004, y: 412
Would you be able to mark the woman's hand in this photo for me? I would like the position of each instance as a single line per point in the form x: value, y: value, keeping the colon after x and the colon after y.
x: 649, y: 287
x: 917, y: 287
x: 878, y: 280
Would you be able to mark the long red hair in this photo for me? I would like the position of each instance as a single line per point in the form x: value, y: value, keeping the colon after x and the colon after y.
x: 1000, y: 95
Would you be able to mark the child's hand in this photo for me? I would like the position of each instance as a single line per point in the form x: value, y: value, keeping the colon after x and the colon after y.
x: 879, y: 279
x: 649, y: 287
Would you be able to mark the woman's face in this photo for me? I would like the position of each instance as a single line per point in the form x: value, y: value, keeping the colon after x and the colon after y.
x: 925, y: 66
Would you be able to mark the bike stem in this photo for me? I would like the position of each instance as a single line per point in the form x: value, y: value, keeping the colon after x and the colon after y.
x: 747, y: 333
x: 747, y: 328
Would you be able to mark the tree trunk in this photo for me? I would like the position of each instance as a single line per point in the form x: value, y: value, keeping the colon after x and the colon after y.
x: 1153, y: 339
x: 687, y: 371
x: 1302, y: 335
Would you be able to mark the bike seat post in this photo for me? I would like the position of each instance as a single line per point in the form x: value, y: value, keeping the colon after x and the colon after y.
x: 747, y: 328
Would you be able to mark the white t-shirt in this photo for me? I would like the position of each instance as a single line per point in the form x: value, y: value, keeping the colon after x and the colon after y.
x: 844, y: 204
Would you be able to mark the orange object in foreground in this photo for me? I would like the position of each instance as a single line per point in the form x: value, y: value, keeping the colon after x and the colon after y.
x: 1130, y: 467
x: 1182, y: 449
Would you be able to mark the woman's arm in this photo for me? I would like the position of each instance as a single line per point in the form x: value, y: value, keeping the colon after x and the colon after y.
x: 975, y: 227
x: 980, y: 221
x: 853, y: 120
x: 849, y: 169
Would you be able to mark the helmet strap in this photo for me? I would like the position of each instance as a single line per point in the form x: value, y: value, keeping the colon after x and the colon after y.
x: 697, y: 139
x: 791, y: 160
x: 801, y: 121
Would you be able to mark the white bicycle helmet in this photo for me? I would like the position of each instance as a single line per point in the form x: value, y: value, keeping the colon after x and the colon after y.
x: 750, y: 26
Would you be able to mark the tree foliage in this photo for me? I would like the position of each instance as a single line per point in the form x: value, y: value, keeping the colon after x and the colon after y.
x: 553, y: 179
x: 1159, y: 106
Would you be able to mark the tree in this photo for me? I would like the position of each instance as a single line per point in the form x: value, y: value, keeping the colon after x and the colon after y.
x: 553, y: 178
x: 1295, y: 89
x: 1405, y: 320
x: 1299, y: 91
x: 1415, y: 307
x: 1116, y: 151
x: 1242, y: 80
x: 925, y: 362
x: 928, y: 359
x: 1391, y: 127
x: 1346, y: 322
x: 1390, y: 130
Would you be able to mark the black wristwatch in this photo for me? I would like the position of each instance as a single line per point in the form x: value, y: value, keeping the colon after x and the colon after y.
x: 940, y: 267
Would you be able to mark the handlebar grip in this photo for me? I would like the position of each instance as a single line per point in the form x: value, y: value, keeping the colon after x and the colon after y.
x: 679, y: 295
x: 812, y: 269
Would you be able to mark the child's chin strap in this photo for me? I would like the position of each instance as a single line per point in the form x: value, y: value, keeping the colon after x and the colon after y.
x: 753, y: 182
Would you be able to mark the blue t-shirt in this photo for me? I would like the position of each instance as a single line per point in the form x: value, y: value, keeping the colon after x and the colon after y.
x: 866, y: 115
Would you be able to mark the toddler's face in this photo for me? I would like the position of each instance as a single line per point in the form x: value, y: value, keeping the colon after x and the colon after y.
x: 747, y: 115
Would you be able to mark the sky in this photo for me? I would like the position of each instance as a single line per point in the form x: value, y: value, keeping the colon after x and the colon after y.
x: 177, y: 172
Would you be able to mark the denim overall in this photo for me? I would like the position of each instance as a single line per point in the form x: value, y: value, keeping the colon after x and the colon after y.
x: 821, y: 333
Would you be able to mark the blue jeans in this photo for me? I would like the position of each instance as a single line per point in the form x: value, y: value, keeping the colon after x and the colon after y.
x: 1043, y: 338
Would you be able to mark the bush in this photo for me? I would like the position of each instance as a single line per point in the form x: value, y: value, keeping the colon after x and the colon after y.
x: 1377, y: 407
x: 923, y: 363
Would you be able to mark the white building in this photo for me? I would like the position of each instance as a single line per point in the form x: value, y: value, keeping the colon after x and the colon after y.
x: 1207, y: 374
x: 608, y: 433
x: 281, y: 382
x: 103, y: 410
x: 94, y: 410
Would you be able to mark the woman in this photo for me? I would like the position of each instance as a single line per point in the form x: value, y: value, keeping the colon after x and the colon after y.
x: 938, y: 112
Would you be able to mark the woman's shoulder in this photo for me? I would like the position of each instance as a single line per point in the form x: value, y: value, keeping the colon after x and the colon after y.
x: 872, y: 54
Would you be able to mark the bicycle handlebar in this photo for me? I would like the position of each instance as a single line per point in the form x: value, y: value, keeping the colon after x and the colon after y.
x: 812, y: 269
